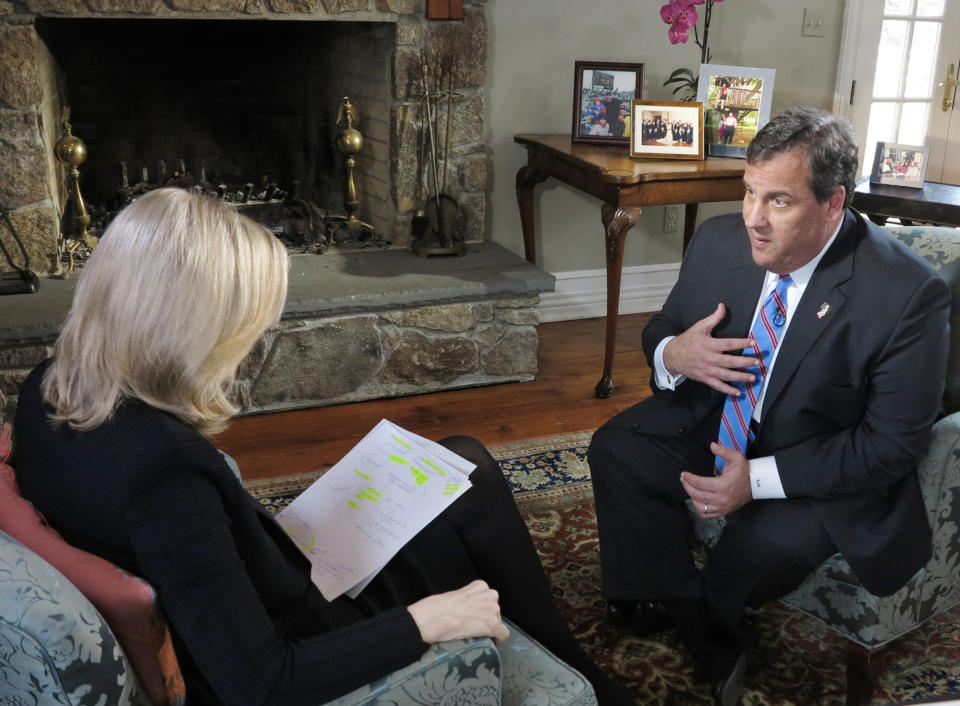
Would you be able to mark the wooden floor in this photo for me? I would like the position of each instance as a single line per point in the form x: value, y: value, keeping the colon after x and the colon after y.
x: 560, y: 400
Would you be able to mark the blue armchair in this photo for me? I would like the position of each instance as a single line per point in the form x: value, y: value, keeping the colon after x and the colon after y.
x: 832, y: 594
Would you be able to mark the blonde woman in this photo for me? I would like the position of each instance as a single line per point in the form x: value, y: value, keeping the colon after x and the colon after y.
x: 111, y: 447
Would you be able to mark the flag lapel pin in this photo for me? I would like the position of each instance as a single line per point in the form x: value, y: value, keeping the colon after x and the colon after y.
x: 824, y: 308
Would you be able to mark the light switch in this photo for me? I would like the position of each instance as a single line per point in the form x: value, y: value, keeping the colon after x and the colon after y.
x: 814, y: 23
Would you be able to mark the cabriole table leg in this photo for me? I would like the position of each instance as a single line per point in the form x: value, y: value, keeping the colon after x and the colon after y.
x: 616, y: 223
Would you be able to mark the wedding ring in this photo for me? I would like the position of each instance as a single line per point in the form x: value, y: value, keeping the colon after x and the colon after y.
x: 706, y: 509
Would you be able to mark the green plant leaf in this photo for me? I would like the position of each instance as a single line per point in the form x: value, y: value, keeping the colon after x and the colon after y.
x: 682, y: 72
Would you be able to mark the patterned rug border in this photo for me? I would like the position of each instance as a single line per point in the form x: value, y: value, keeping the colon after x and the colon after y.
x: 540, y: 444
x: 539, y: 500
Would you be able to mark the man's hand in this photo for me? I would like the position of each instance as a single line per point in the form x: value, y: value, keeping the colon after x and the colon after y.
x: 471, y: 611
x: 698, y: 355
x: 720, y: 495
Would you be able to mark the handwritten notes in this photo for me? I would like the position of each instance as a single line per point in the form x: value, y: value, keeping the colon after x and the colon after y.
x: 360, y: 513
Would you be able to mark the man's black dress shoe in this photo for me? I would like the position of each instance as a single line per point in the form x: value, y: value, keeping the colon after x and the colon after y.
x: 726, y: 678
x: 641, y: 617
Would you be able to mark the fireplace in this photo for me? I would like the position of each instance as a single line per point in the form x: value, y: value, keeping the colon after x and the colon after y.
x: 235, y: 93
x: 246, y: 92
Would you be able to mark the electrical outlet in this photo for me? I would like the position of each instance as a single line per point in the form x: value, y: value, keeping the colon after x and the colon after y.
x: 671, y: 219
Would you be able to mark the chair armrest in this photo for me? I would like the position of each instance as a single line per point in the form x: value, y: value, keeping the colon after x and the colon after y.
x: 57, y: 644
x: 456, y: 671
x: 939, y: 472
x: 534, y: 675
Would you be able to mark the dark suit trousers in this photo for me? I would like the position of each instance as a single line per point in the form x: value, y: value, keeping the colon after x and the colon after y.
x: 765, y: 551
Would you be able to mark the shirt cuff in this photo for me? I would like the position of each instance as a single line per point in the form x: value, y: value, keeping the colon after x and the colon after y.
x: 765, y: 479
x: 664, y: 380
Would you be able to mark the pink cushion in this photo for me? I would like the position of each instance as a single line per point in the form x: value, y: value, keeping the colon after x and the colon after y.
x: 126, y: 602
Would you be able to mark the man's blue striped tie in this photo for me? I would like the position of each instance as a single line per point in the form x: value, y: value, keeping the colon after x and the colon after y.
x: 738, y: 411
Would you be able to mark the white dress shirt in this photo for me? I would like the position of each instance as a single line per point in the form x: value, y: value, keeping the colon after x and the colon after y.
x: 764, y: 476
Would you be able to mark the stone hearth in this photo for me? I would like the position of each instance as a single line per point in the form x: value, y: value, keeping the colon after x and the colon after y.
x: 356, y: 326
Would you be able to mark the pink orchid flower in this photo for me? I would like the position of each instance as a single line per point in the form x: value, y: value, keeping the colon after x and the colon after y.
x: 681, y: 16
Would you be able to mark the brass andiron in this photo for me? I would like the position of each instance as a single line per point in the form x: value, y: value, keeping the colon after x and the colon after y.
x: 71, y: 151
x: 349, y: 143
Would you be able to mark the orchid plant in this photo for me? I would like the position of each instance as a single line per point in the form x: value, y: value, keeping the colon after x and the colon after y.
x: 681, y: 15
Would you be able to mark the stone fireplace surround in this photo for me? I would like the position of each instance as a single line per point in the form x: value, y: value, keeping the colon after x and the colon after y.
x: 358, y: 324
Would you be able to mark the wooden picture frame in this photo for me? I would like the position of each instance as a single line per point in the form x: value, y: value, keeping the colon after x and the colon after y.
x: 900, y: 165
x: 736, y: 104
x: 602, y: 95
x: 666, y: 129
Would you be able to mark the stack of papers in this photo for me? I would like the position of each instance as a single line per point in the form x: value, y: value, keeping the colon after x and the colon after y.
x: 361, y: 512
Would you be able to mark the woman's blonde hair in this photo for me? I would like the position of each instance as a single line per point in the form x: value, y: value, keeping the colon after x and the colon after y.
x: 171, y: 300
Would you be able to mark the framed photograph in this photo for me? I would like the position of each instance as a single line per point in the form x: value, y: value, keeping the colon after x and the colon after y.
x: 602, y: 94
x: 672, y: 130
x: 736, y: 103
x: 899, y: 165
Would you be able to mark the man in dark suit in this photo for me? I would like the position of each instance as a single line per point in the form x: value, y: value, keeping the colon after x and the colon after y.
x: 851, y: 334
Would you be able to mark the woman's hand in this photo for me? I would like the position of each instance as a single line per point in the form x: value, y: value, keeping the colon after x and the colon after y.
x: 471, y: 611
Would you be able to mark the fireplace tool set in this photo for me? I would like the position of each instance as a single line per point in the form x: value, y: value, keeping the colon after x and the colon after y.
x: 21, y: 280
x: 434, y: 223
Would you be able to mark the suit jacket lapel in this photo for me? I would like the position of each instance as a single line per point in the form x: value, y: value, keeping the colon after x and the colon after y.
x: 744, y: 280
x: 821, y: 302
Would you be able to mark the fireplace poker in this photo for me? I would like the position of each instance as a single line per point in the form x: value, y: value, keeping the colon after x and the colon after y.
x: 446, y: 228
x: 418, y: 224
x: 430, y: 126
x: 446, y: 137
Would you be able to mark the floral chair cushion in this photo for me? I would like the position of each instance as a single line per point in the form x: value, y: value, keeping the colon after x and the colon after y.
x: 127, y: 602
x: 941, y: 248
x: 834, y: 595
x: 532, y: 676
x: 518, y: 672
x: 457, y: 672
x: 54, y: 646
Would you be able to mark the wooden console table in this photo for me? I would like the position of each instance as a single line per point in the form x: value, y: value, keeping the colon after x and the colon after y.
x: 934, y: 203
x: 625, y: 186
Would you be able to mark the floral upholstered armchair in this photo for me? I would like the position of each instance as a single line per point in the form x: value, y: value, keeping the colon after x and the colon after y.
x: 56, y: 649
x: 832, y: 594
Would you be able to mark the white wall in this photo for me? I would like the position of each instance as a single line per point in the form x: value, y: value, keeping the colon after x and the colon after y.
x: 532, y: 49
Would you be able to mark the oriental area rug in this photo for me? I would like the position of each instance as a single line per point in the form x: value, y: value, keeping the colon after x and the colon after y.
x: 796, y: 659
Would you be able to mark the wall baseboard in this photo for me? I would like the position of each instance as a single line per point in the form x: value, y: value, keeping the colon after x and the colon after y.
x: 582, y: 294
